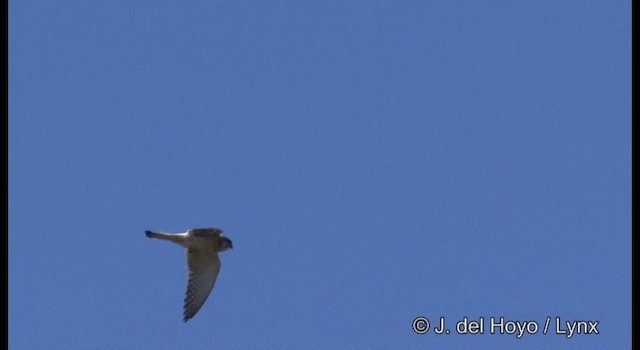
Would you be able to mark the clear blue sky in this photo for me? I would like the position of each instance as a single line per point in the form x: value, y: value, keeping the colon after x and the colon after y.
x: 372, y: 161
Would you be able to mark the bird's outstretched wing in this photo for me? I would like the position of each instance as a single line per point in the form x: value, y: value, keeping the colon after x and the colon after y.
x: 205, y: 232
x: 203, y: 271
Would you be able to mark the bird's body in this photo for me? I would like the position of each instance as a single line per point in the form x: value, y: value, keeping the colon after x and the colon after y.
x: 202, y: 245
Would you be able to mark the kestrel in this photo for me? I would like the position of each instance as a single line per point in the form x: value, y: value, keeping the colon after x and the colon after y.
x: 203, y: 245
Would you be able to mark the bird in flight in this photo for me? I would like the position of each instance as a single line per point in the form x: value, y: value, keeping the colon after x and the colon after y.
x: 203, y: 245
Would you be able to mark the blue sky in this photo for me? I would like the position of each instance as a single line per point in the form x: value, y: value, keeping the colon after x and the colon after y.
x: 372, y: 161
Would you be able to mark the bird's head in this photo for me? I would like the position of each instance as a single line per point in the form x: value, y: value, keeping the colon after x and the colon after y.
x: 226, y: 244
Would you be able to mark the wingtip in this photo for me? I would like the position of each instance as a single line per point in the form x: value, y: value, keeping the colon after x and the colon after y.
x: 149, y: 234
